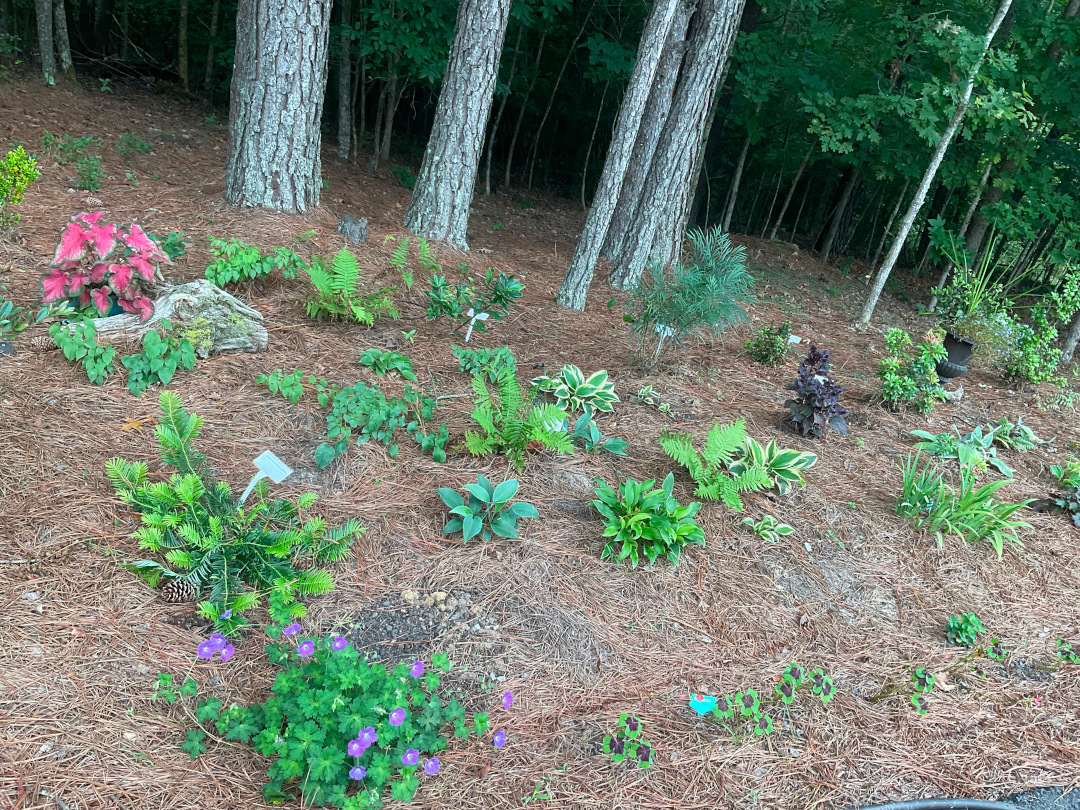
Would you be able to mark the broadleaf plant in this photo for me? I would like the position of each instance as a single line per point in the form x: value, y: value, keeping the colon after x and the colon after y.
x: 588, y: 434
x: 161, y: 356
x: 78, y: 342
x: 575, y: 392
x: 383, y: 362
x: 646, y: 522
x: 627, y: 744
x: 710, y: 469
x: 816, y: 405
x: 489, y: 510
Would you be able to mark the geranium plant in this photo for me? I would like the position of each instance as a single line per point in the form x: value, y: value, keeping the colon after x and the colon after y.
x: 102, y: 263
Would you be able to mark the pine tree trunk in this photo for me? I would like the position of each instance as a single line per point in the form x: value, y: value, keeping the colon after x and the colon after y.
x: 798, y: 214
x: 439, y: 208
x: 790, y: 194
x: 125, y: 31
x: 345, y: 109
x: 931, y: 170
x: 652, y: 124
x: 43, y: 10
x: 394, y: 90
x: 838, y: 215
x: 61, y: 40
x: 1071, y: 339
x: 736, y: 180
x: 182, y: 46
x: 5, y: 30
x: 380, y: 111
x: 662, y: 211
x: 215, y: 21
x: 279, y: 77
x: 627, y: 137
x: 521, y: 114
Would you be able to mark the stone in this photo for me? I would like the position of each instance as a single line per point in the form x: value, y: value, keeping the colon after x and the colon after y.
x: 353, y: 229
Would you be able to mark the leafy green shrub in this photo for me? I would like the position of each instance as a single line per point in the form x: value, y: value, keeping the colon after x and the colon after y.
x: 488, y: 511
x: 910, y: 379
x: 816, y: 405
x: 382, y: 362
x: 646, y: 522
x: 1068, y: 502
x: 769, y: 528
x: 290, y: 386
x: 70, y: 149
x: 705, y: 294
x: 1034, y: 355
x: 15, y: 319
x: 485, y: 361
x: 970, y: 513
x: 710, y: 470
x: 425, y: 257
x: 769, y: 345
x: 338, y: 297
x: 586, y: 432
x: 88, y: 169
x: 79, y: 345
x: 235, y: 261
x: 365, y: 410
x: 218, y: 548
x: 161, y: 355
x: 461, y: 302
x: 174, y: 246
x: 963, y: 630
x: 575, y: 393
x: 783, y: 467
x: 335, y: 722
x: 131, y: 143
x: 627, y: 744
x: 17, y: 171
x: 1015, y: 435
x: 406, y: 177
x: 511, y: 426
x: 973, y: 450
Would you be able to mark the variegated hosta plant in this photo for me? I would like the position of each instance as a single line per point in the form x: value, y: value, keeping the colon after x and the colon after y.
x: 102, y: 263
x: 783, y: 466
x: 575, y: 393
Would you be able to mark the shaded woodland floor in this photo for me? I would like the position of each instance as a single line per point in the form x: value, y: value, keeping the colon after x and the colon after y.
x: 854, y: 591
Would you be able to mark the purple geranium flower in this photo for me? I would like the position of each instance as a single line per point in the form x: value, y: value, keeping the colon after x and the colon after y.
x: 508, y: 700
x: 292, y: 629
x: 340, y: 643
x: 306, y: 648
x: 227, y: 652
x: 207, y: 649
x: 431, y: 767
x: 358, y: 773
x: 397, y: 716
x: 410, y: 757
x: 368, y: 736
x: 417, y: 669
x: 499, y: 739
x: 219, y: 641
x: 227, y: 614
x: 357, y: 747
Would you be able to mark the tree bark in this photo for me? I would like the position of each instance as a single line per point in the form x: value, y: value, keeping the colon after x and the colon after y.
x: 43, y: 10
x: 215, y: 19
x: 931, y: 170
x: 790, y: 194
x: 736, y: 179
x: 439, y: 208
x: 182, y: 47
x: 395, y: 88
x: 125, y: 31
x: 640, y: 91
x: 521, y: 113
x: 589, y: 148
x: 279, y: 77
x: 838, y: 214
x: 5, y: 30
x: 1071, y: 339
x: 61, y: 40
x: 662, y: 211
x: 345, y: 108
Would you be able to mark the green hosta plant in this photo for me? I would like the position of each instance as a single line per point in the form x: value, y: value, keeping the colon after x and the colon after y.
x: 510, y: 425
x: 912, y: 379
x: 642, y: 521
x: 229, y: 553
x: 974, y: 450
x: 769, y: 345
x: 710, y: 469
x: 235, y: 261
x: 783, y: 466
x: 79, y: 345
x: 161, y: 356
x: 338, y: 296
x: 382, y: 362
x: 291, y: 386
x: 489, y: 510
x: 488, y: 362
x: 588, y: 434
x: 576, y: 393
x: 769, y: 528
x: 626, y: 744
x: 963, y: 630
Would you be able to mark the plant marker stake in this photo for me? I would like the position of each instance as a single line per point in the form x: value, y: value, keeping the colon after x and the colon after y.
x: 269, y: 466
x: 474, y: 316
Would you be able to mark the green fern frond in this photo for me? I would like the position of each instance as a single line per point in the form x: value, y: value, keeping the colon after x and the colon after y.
x: 723, y: 442
x: 345, y: 273
x: 400, y: 257
x: 314, y: 582
x: 321, y: 278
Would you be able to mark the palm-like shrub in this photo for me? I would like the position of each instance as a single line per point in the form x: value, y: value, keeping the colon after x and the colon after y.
x: 338, y: 296
x: 710, y: 468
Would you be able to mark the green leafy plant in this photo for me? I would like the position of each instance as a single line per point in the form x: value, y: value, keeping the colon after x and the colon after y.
x: 465, y: 301
x: 971, y: 512
x: 646, y: 522
x: 511, y: 426
x: 912, y: 380
x: 704, y: 294
x: 489, y: 510
x: 382, y: 362
x: 69, y: 149
x: 425, y: 258
x: 626, y: 743
x: 17, y: 171
x: 488, y: 362
x: 161, y: 356
x: 78, y: 343
x: 338, y: 296
x: 1068, y: 502
x: 769, y: 345
x: 710, y: 469
x: 15, y: 319
x: 88, y: 169
x: 1015, y: 436
x: 131, y: 143
x: 235, y: 261
x: 588, y: 434
x: 404, y: 175
x: 650, y: 397
x: 174, y: 246
x: 750, y: 707
x: 784, y: 467
x: 213, y: 546
x: 963, y: 630
x: 769, y: 528
x: 576, y: 393
x: 365, y: 410
x: 290, y: 386
x: 974, y: 450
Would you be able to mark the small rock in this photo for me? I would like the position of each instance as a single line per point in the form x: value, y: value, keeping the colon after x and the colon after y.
x: 130, y: 735
x: 142, y: 668
x: 36, y: 651
x: 31, y: 596
x: 353, y: 229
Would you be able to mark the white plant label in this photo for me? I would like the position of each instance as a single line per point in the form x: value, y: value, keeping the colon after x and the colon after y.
x: 269, y: 466
x: 474, y: 316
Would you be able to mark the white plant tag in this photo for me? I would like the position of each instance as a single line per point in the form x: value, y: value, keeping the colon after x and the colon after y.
x: 269, y: 466
x: 474, y: 316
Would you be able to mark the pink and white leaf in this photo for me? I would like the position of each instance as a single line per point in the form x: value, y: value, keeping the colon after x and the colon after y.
x: 98, y: 272
x: 102, y: 302
x: 89, y: 217
x: 120, y: 279
x: 138, y: 240
x: 77, y: 280
x: 84, y: 299
x: 143, y: 266
x: 54, y: 285
x: 72, y: 245
x: 104, y: 238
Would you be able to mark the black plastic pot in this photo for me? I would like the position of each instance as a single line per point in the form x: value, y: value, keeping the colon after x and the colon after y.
x: 959, y: 352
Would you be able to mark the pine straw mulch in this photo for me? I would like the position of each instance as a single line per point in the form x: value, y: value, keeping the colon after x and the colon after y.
x: 854, y: 591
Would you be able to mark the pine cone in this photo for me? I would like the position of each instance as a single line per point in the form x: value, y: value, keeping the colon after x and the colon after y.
x: 179, y: 590
x: 42, y: 343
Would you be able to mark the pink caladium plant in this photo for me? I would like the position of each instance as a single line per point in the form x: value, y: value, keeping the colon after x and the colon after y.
x: 99, y: 263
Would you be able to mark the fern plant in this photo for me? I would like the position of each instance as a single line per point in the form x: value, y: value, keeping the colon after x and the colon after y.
x: 710, y: 469
x: 511, y: 426
x: 338, y: 296
x: 229, y: 554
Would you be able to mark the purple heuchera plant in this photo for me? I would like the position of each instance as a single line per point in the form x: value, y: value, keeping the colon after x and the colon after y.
x: 816, y: 405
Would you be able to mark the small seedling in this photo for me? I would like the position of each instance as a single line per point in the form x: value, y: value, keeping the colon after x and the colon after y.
x: 963, y: 630
x: 769, y: 528
x: 626, y: 744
